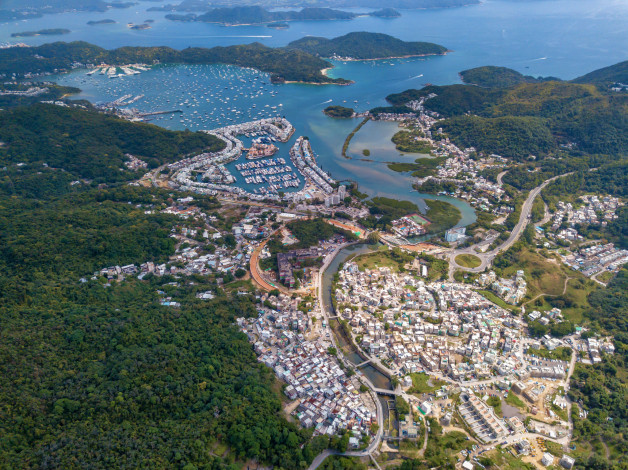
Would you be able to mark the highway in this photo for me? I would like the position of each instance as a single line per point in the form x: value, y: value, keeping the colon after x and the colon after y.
x: 487, y: 258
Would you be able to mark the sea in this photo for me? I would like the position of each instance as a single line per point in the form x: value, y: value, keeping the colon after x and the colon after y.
x: 561, y: 38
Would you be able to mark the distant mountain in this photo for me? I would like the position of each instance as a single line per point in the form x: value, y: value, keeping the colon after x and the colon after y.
x: 204, y: 5
x: 258, y: 15
x: 364, y: 45
x: 617, y: 73
x: 386, y: 13
x: 11, y: 10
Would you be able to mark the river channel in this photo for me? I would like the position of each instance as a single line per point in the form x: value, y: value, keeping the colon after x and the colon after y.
x: 377, y: 378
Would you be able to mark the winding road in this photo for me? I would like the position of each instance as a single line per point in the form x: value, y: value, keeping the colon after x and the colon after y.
x: 487, y: 258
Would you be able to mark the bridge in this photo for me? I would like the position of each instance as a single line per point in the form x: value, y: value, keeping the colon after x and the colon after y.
x: 388, y: 393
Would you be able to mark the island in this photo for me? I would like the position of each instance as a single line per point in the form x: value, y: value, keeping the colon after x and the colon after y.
x: 283, y: 65
x: 339, y: 112
x: 139, y: 27
x: 385, y: 13
x: 365, y: 46
x: 27, y: 9
x: 279, y: 25
x: 205, y: 5
x: 97, y: 22
x: 41, y: 32
x: 250, y: 15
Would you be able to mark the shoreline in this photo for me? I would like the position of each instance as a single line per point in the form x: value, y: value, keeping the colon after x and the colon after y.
x: 352, y: 59
x: 351, y: 82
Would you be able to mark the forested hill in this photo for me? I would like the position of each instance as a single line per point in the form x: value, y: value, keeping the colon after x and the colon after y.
x: 363, y: 45
x: 490, y: 76
x: 85, y: 145
x: 502, y: 77
x: 257, y: 15
x: 100, y: 375
x: 282, y: 64
x: 529, y: 119
x: 617, y: 73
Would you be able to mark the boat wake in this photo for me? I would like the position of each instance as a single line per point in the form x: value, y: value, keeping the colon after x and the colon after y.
x: 328, y: 101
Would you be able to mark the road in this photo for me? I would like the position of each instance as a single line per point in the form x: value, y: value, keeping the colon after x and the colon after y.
x: 254, y: 264
x: 487, y: 258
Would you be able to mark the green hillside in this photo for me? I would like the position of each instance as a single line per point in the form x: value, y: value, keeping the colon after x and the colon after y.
x: 87, y: 144
x: 496, y: 77
x: 607, y: 75
x: 282, y: 64
x: 529, y: 118
x: 365, y: 46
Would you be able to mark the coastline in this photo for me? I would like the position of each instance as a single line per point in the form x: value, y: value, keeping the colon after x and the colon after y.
x: 351, y: 82
x: 352, y: 59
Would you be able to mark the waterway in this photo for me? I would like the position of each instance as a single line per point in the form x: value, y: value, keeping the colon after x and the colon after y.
x: 376, y: 377
x: 564, y: 38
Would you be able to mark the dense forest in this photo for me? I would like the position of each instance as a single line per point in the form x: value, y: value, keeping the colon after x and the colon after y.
x: 365, y: 46
x: 606, y: 76
x: 281, y: 63
x: 529, y: 119
x: 100, y: 375
x: 339, y: 111
x: 602, y: 389
x: 90, y: 145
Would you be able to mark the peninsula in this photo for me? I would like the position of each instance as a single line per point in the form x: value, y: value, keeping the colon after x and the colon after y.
x: 282, y: 64
x: 41, y: 32
x: 365, y: 46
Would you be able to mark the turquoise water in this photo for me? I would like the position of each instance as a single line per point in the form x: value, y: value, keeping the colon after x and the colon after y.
x: 564, y: 38
x: 211, y: 96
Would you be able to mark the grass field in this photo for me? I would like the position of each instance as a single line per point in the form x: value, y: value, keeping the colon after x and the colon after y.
x: 513, y: 400
x: 562, y: 353
x: 497, y: 301
x: 420, y: 384
x: 605, y: 276
x: 547, y: 276
x: 468, y: 261
x: 379, y: 259
x: 504, y: 459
